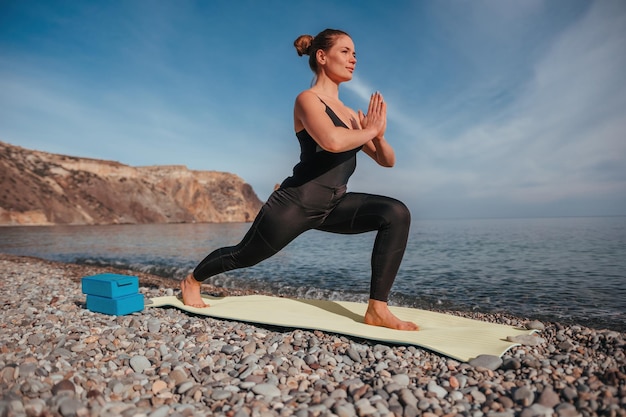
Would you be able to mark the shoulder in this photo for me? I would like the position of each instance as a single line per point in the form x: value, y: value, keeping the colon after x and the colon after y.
x: 307, y: 96
x: 308, y: 100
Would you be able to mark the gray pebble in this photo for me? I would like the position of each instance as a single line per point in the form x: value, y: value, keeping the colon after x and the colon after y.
x: 344, y: 410
x: 526, y: 339
x: 354, y: 355
x: 537, y: 410
x: 423, y: 405
x: 524, y: 396
x: 567, y: 410
x: 549, y: 398
x: 364, y: 408
x: 16, y: 407
x: 440, y: 392
x: 510, y: 413
x: 407, y: 398
x: 247, y: 384
x: 162, y: 411
x: 229, y: 349
x: 569, y: 393
x: 302, y: 413
x: 456, y: 395
x: 393, y: 387
x: 266, y: 390
x: 154, y: 325
x: 139, y: 363
x: 395, y: 407
x: 221, y: 394
x: 401, y: 379
x: 478, y: 396
x: 535, y: 325
x: 35, y: 339
x: 380, y: 366
x: 118, y: 388
x: 411, y: 411
x: 27, y: 369
x: 70, y: 407
x: 486, y: 361
x: 184, y: 387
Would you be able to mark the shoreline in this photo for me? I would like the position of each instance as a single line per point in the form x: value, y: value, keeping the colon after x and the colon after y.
x: 57, y: 358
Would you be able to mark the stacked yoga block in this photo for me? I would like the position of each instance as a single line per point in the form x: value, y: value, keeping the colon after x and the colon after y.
x: 113, y: 294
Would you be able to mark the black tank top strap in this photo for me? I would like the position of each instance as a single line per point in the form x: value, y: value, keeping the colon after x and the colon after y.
x: 333, y: 116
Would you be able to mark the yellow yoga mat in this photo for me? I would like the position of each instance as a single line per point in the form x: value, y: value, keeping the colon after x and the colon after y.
x: 457, y: 337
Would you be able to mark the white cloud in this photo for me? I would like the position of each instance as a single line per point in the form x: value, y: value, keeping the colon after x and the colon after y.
x: 359, y: 87
x: 561, y: 139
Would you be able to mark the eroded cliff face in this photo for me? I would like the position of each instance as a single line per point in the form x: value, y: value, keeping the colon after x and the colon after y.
x: 39, y: 188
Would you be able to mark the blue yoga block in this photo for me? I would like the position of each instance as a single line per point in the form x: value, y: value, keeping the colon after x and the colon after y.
x: 115, y: 306
x: 110, y: 285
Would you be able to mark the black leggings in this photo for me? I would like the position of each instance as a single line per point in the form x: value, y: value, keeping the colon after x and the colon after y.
x: 291, y: 211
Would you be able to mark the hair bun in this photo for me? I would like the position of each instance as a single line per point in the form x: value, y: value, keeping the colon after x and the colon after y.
x: 303, y: 44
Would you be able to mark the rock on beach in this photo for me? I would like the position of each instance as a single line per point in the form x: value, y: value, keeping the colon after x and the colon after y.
x: 59, y: 359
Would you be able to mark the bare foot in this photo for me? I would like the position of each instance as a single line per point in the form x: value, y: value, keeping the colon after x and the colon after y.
x: 378, y: 314
x: 191, y: 292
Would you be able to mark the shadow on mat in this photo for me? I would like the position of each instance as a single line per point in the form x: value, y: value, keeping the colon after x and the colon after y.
x: 333, y: 307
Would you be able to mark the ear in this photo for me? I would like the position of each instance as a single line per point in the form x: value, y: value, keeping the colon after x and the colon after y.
x: 320, y: 56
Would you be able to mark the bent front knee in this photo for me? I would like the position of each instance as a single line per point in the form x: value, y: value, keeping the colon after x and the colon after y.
x: 399, y: 213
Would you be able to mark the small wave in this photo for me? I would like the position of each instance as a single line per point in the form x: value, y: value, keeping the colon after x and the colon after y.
x: 161, y: 270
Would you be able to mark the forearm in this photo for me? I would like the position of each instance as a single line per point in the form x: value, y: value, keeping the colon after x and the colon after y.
x: 385, y: 155
x: 341, y: 139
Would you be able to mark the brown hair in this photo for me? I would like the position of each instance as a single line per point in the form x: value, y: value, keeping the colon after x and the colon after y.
x: 309, y: 45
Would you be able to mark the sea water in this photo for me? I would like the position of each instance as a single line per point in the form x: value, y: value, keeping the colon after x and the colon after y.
x: 562, y: 269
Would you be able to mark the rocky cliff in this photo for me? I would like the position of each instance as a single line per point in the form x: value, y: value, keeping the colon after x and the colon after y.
x: 39, y: 188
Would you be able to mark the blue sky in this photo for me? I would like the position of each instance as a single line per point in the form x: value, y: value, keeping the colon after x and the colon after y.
x: 496, y: 108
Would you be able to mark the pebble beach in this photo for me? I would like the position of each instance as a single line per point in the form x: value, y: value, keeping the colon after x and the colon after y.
x: 59, y: 359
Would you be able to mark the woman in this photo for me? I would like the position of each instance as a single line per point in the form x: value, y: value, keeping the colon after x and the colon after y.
x: 315, y: 197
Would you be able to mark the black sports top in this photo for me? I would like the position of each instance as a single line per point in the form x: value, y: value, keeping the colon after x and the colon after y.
x: 326, y: 168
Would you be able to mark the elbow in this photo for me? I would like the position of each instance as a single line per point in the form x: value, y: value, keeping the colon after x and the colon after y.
x: 331, y: 144
x: 333, y: 148
x: 388, y: 162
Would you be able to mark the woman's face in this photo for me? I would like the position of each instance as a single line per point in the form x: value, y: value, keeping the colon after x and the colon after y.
x: 340, y: 60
